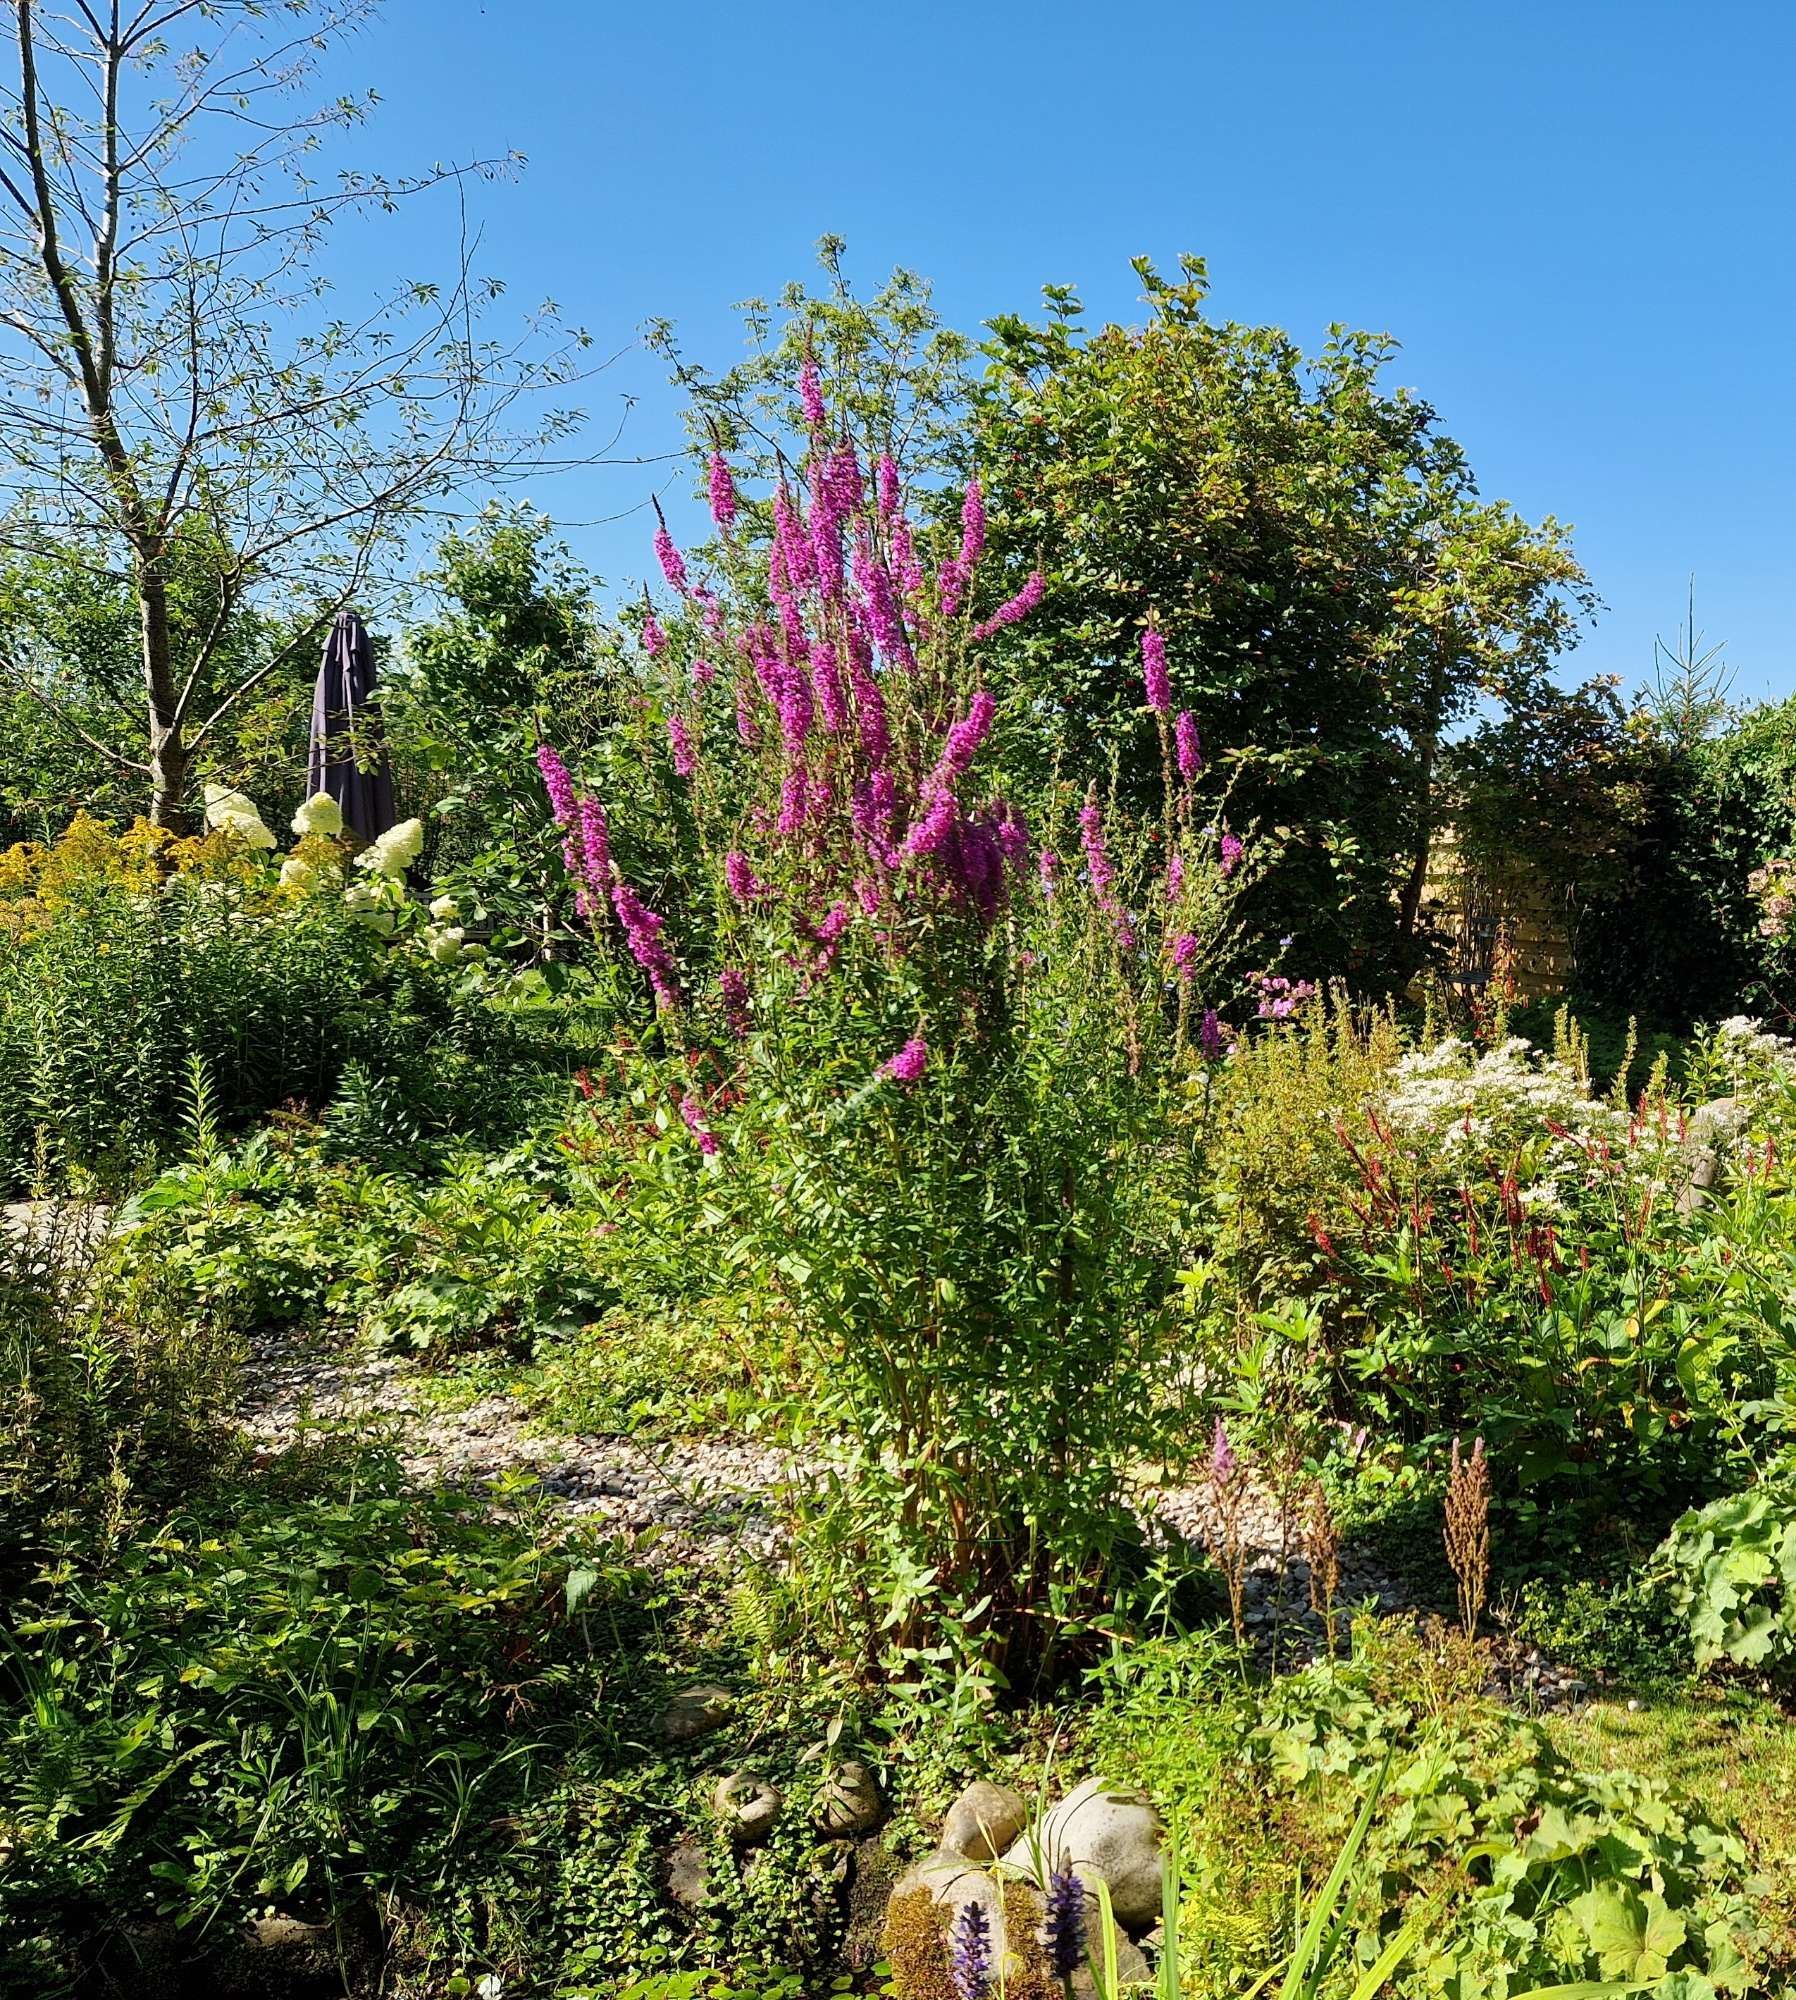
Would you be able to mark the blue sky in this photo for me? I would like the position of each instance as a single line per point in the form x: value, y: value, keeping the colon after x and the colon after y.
x: 1576, y: 217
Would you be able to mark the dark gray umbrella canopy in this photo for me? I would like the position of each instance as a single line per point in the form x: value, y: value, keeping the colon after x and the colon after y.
x: 345, y: 727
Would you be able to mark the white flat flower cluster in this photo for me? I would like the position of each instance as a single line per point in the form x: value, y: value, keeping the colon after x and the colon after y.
x: 1464, y: 1106
x: 1743, y: 1059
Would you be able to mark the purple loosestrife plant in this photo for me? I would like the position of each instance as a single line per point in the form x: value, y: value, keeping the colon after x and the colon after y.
x: 1155, y: 679
x: 908, y: 1065
x: 1188, y: 745
x: 940, y: 1094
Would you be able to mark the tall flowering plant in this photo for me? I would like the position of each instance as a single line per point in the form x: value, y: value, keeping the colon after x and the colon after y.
x: 923, y: 1050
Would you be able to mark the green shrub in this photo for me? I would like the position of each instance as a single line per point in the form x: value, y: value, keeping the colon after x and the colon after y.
x: 474, y: 1249
x: 1525, y: 1871
x: 302, y: 1695
x: 110, y: 1393
x: 1731, y: 1570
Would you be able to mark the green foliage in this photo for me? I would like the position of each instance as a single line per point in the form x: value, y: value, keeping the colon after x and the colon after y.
x: 276, y: 1234
x: 1333, y: 593
x: 1680, y: 936
x: 102, y: 1009
x: 108, y: 1391
x: 1439, y: 1239
x: 1515, y: 1870
x: 75, y: 633
x: 515, y: 640
x: 1731, y: 1570
x: 1623, y: 1632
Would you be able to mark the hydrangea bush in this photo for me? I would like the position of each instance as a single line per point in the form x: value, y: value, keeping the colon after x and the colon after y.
x: 922, y: 1051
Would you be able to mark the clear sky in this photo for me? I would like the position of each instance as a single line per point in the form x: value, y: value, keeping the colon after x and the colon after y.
x: 1576, y: 216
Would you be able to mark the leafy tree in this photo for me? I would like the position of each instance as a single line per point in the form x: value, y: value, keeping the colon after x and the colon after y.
x: 513, y: 641
x: 76, y: 632
x: 1553, y: 794
x: 1334, y: 594
x: 172, y: 355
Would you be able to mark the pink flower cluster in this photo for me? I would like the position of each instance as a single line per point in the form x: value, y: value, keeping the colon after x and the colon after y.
x: 1280, y: 998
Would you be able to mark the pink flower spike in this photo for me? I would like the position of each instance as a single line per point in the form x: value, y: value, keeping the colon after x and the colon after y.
x: 743, y: 883
x: 732, y: 983
x: 557, y: 783
x: 887, y: 482
x: 695, y: 1123
x: 826, y: 685
x: 723, y: 491
x: 642, y: 933
x: 595, y: 847
x: 928, y: 833
x: 1016, y: 609
x: 963, y: 742
x: 908, y: 1064
x: 1230, y: 852
x: 654, y: 640
x: 679, y: 740
x: 673, y: 564
x: 1185, y: 742
x: 1223, y: 1463
x: 1153, y: 672
x: 810, y: 394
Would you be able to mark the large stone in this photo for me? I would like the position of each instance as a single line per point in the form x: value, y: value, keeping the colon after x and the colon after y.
x: 696, y: 1711
x: 849, y: 1800
x: 684, y: 1873
x: 983, y: 1821
x: 748, y: 1806
x: 1100, y: 1830
x: 1713, y: 1131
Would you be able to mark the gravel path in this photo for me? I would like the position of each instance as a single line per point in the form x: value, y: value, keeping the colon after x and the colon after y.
x: 709, y: 1500
x: 703, y: 1495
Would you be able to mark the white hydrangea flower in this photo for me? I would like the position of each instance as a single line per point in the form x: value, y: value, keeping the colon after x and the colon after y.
x: 371, y: 904
x: 444, y: 943
x: 445, y: 909
x: 395, y: 851
x: 320, y: 814
x: 229, y: 811
x: 309, y: 872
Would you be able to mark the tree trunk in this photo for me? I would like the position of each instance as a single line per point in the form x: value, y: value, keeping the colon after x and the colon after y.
x: 1410, y: 908
x: 168, y: 749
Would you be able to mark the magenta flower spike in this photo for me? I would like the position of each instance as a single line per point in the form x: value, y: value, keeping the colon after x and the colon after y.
x: 694, y: 1116
x: 732, y: 983
x: 1187, y: 745
x: 642, y: 933
x: 723, y: 491
x: 673, y: 564
x: 826, y: 685
x: 1153, y: 672
x: 1015, y: 608
x: 908, y: 1064
x: 963, y: 743
x: 887, y: 484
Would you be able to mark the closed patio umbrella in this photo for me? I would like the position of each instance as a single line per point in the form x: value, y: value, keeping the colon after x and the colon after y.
x: 347, y: 758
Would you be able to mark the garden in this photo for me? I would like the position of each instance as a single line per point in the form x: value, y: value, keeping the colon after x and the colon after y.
x: 914, y: 1290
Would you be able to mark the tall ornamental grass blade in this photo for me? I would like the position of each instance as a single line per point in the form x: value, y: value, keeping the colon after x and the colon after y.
x: 1297, y: 1984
